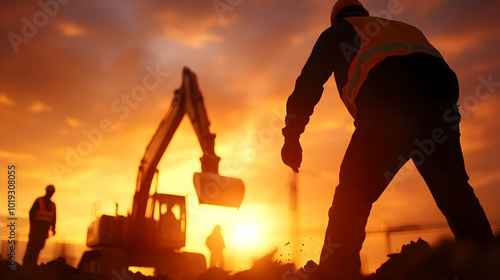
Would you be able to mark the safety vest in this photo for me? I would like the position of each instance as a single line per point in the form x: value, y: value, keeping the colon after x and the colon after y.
x: 379, y: 39
x: 46, y: 211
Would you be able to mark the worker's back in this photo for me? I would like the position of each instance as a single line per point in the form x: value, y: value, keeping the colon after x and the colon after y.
x: 397, y: 78
x: 42, y: 213
x: 404, y: 79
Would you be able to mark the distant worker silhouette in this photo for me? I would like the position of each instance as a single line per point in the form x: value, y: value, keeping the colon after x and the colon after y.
x: 215, y: 244
x: 170, y: 225
x: 402, y: 96
x: 42, y: 219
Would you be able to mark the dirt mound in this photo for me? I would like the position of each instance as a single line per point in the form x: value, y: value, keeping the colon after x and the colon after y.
x: 59, y: 270
x: 416, y: 261
x: 448, y: 261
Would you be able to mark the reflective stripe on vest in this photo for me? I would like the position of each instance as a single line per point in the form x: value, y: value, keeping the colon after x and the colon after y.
x: 44, y: 213
x: 379, y: 39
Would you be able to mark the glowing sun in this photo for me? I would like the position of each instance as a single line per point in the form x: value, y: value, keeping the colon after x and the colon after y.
x: 246, y: 234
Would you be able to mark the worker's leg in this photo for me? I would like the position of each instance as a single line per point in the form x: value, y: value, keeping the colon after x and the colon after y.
x: 30, y: 255
x: 220, y: 257
x: 444, y: 172
x: 378, y: 149
x: 213, y: 259
x: 35, y: 245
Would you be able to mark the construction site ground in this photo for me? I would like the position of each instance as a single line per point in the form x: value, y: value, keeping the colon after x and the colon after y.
x: 416, y: 261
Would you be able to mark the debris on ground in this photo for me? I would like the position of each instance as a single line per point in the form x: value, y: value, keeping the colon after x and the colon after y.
x: 449, y: 260
x: 59, y: 270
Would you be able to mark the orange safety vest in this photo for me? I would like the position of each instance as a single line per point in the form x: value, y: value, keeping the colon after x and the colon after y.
x: 45, y: 212
x: 380, y: 38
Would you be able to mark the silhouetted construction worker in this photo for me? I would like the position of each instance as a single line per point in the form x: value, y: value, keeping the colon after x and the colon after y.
x: 215, y: 244
x: 42, y: 219
x: 402, y: 95
x: 170, y: 225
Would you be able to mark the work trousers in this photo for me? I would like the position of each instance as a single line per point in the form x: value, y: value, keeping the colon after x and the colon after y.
x: 383, y: 141
x: 36, y: 243
x: 216, y: 258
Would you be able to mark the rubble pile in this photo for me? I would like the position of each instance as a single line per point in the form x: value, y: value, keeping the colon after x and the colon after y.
x: 449, y: 260
x: 416, y: 261
x: 59, y: 270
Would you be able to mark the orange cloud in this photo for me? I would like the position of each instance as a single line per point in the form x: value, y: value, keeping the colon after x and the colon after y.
x: 195, y: 34
x: 71, y: 29
x: 457, y: 43
x: 5, y: 100
x: 18, y: 156
x: 186, y: 37
x: 425, y: 7
x: 39, y: 107
x: 72, y: 122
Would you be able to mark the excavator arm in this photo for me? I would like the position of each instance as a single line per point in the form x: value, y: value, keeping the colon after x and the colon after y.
x: 211, y: 188
x: 195, y: 108
x: 153, y: 154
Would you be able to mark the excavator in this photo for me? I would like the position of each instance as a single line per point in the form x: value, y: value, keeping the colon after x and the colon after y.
x: 154, y: 232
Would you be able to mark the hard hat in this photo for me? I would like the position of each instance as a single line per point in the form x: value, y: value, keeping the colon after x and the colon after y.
x: 342, y: 4
x: 50, y: 188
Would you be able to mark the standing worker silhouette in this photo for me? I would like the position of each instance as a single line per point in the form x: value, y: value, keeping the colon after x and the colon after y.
x: 42, y: 219
x: 170, y: 225
x: 402, y: 96
x: 215, y: 244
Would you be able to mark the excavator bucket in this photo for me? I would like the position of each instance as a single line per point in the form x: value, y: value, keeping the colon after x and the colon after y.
x: 212, y: 188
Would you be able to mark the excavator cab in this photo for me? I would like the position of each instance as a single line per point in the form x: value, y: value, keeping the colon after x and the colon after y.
x: 167, y: 215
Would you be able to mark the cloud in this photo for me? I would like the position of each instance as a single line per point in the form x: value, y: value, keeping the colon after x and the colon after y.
x: 424, y: 8
x: 71, y: 29
x: 196, y: 40
x: 457, y: 43
x: 38, y: 107
x: 17, y: 156
x: 72, y: 122
x: 5, y: 100
x: 200, y: 30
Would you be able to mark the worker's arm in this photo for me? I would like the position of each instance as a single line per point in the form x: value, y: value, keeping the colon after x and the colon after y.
x: 33, y: 210
x: 325, y: 57
x: 309, y: 85
x: 222, y: 242
x: 54, y: 224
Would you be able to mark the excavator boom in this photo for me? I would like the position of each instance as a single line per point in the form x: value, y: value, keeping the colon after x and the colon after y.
x: 211, y: 187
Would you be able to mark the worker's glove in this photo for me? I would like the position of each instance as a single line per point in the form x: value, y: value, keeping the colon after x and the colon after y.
x: 291, y: 153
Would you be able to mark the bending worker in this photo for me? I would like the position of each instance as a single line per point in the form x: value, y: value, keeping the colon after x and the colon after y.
x: 42, y: 219
x: 402, y: 96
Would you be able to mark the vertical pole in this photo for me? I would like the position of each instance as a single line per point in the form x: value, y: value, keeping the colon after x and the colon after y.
x: 388, y: 240
x: 294, y: 217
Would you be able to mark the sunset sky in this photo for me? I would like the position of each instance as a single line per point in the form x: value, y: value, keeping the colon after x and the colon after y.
x: 72, y: 114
